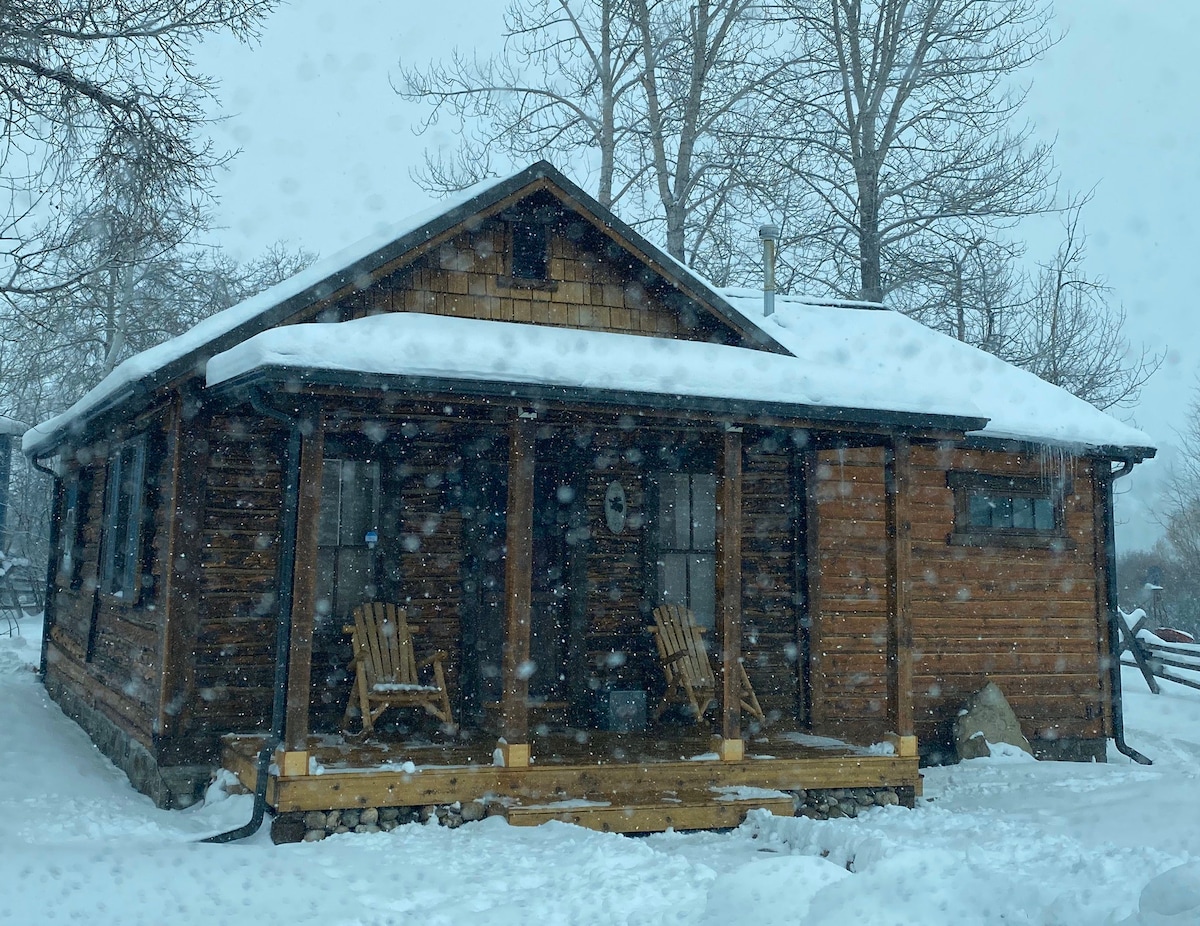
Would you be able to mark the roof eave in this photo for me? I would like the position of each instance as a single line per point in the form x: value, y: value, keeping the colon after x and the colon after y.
x: 513, y: 392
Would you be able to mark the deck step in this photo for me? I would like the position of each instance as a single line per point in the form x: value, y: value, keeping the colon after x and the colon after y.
x: 651, y: 816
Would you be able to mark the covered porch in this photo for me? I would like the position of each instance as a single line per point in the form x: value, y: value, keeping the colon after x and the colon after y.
x: 529, y: 541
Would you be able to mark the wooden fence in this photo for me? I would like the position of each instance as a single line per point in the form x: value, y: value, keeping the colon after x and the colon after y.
x: 1155, y: 658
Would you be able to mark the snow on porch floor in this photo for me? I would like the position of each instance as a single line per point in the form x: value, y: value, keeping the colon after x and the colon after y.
x: 992, y: 842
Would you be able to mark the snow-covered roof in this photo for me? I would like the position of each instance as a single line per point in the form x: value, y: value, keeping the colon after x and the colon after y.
x: 845, y: 355
x: 891, y: 351
x: 466, y: 349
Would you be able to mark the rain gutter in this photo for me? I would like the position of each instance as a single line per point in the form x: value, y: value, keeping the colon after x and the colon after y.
x: 283, y: 626
x: 51, y: 561
x: 1114, y: 631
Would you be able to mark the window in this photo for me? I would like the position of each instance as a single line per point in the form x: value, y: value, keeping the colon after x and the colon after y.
x: 530, y: 251
x: 1007, y: 510
x: 124, y: 510
x: 347, y: 536
x: 686, y: 535
x: 75, y: 502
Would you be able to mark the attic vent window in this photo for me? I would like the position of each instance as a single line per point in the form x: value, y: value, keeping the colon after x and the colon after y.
x: 530, y: 252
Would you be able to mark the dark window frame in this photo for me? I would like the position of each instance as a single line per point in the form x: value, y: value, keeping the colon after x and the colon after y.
x: 76, y: 502
x: 528, y: 256
x: 122, y: 559
x: 969, y: 532
x: 329, y: 588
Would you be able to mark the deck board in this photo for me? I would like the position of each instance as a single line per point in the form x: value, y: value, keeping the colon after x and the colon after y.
x: 624, y: 770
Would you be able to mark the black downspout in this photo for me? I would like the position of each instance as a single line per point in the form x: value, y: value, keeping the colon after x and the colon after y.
x: 283, y: 626
x: 51, y: 562
x: 1114, y: 632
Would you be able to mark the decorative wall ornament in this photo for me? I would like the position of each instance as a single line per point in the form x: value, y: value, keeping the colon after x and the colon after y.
x: 615, y: 508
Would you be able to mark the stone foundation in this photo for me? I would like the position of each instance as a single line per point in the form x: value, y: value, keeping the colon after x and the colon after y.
x: 315, y: 825
x: 170, y: 787
x: 835, y: 803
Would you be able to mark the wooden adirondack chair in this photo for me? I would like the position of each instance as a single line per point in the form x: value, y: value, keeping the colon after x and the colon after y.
x: 690, y: 677
x: 387, y: 672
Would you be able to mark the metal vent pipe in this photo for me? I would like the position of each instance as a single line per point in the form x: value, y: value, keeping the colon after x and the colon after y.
x: 769, y: 236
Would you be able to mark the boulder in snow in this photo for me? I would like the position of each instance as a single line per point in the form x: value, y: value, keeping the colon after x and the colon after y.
x: 987, y: 718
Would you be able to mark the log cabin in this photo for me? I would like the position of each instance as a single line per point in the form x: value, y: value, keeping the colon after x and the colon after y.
x: 526, y: 425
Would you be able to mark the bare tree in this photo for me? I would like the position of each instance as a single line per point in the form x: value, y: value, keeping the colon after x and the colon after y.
x: 662, y: 93
x: 1070, y: 333
x: 908, y: 139
x: 89, y: 88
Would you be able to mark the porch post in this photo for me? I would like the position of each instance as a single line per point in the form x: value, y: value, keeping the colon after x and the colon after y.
x: 898, y: 480
x: 729, y: 592
x: 304, y: 596
x: 518, y: 589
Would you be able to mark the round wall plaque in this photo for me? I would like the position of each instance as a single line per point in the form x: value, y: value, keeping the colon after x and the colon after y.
x: 614, y: 507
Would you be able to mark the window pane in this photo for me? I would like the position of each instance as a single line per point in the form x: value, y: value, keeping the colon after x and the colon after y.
x: 702, y: 588
x: 704, y: 512
x: 673, y: 512
x: 981, y: 510
x: 327, y: 530
x: 1043, y: 514
x: 1002, y: 511
x: 1022, y: 513
x: 355, y: 579
x: 326, y: 564
x: 359, y: 493
x: 529, y: 259
x: 672, y: 579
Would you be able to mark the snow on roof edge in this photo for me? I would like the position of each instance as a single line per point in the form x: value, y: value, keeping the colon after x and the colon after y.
x: 153, y: 359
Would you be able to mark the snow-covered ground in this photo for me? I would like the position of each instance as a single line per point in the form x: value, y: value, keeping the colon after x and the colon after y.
x: 993, y: 841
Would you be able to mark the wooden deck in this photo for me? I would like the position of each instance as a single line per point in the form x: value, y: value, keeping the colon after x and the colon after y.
x: 621, y: 782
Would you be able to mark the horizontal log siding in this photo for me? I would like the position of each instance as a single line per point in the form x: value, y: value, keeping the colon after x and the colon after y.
x: 119, y: 676
x: 849, y: 634
x: 1023, y: 618
x: 235, y: 646
x: 620, y: 649
x: 769, y: 643
x: 464, y: 277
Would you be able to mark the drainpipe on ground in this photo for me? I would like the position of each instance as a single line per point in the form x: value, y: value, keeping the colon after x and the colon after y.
x: 1114, y: 632
x: 283, y: 628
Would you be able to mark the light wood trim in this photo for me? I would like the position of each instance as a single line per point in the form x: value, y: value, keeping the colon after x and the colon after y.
x: 304, y: 584
x: 518, y: 582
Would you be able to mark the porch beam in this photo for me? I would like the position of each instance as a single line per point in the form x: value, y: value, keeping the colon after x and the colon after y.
x: 898, y: 481
x: 729, y: 591
x: 518, y: 589
x: 304, y: 584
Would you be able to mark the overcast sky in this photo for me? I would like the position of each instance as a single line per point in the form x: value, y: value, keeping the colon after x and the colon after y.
x: 326, y: 148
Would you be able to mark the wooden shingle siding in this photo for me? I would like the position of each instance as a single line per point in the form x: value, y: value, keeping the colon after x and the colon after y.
x: 466, y: 277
